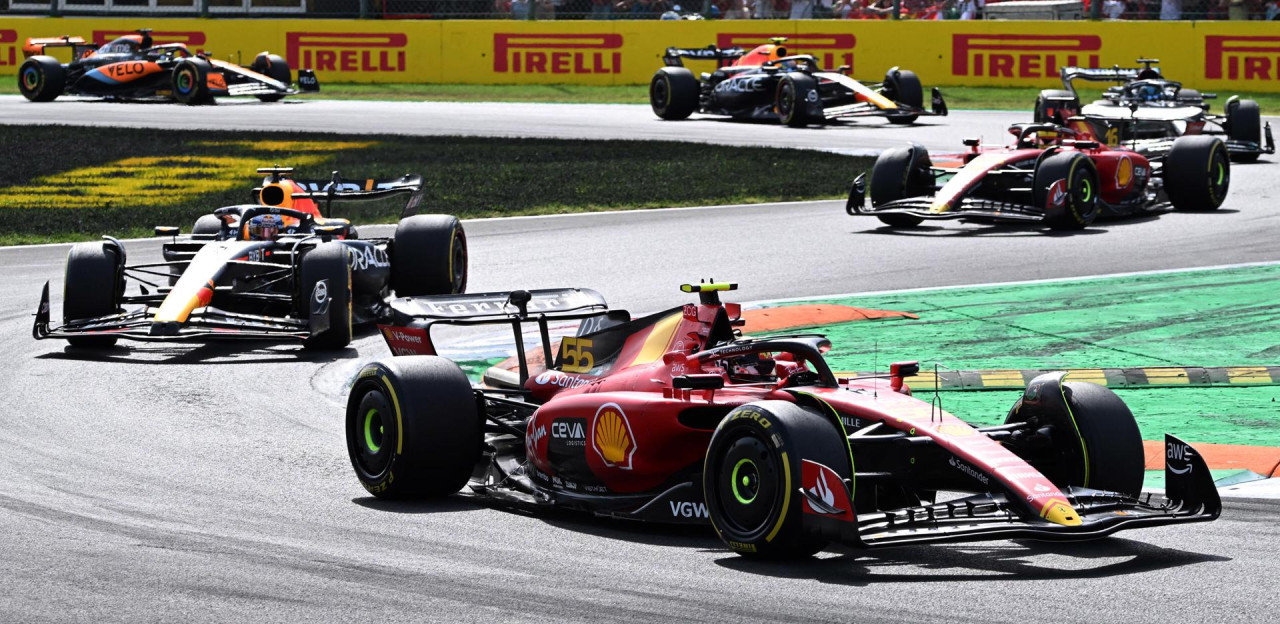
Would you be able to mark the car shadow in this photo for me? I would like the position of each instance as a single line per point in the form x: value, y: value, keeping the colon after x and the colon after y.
x: 450, y: 504
x: 988, y: 231
x: 227, y: 352
x: 980, y: 562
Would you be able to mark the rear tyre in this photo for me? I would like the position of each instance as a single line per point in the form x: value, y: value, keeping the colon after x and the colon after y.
x: 1094, y: 442
x: 1080, y: 188
x: 207, y: 224
x: 413, y: 427
x: 796, y: 92
x: 1048, y: 108
x: 329, y: 262
x: 673, y: 93
x: 429, y: 256
x: 904, y: 86
x: 900, y: 173
x: 41, y: 78
x: 753, y: 471
x: 1190, y: 96
x: 190, y: 81
x: 93, y: 286
x: 273, y: 67
x: 1244, y: 123
x: 1197, y: 173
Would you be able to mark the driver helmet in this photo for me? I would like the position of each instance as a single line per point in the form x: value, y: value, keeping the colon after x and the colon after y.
x: 751, y: 367
x: 1150, y: 92
x: 264, y: 227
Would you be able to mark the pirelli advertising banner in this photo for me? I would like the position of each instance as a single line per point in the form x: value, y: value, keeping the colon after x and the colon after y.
x: 1205, y: 55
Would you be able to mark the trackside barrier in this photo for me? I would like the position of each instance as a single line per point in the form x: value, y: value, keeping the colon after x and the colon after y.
x: 1210, y: 56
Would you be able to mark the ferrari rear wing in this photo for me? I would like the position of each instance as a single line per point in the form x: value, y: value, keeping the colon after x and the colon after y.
x: 674, y: 57
x: 409, y: 331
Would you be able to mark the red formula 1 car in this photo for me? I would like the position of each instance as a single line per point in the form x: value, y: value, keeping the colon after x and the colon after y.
x: 135, y: 67
x: 676, y: 418
x: 1061, y: 176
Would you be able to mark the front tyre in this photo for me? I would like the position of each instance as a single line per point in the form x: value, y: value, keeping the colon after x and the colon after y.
x: 796, y: 94
x: 413, y: 427
x: 752, y: 474
x: 1092, y: 439
x: 904, y: 87
x: 41, y: 78
x: 1244, y: 123
x: 1197, y: 173
x: 673, y: 93
x: 331, y: 263
x: 276, y: 68
x: 1065, y: 186
x: 190, y: 81
x: 93, y: 287
x: 429, y: 256
x: 900, y: 173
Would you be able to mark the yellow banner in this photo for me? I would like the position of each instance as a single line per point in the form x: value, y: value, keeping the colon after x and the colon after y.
x: 1204, y: 55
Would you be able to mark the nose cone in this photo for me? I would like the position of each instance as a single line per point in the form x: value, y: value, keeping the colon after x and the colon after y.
x: 1062, y: 513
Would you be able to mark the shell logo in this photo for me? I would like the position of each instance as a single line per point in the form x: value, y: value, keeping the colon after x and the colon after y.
x: 1124, y: 172
x: 611, y: 437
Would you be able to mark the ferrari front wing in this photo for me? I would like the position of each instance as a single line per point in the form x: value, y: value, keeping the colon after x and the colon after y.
x: 923, y: 207
x: 1190, y: 496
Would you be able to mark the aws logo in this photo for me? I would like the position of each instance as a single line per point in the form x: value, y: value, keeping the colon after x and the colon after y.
x: 611, y: 437
x: 8, y: 48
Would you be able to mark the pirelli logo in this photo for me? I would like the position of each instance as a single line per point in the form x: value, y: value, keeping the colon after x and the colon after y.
x: 1021, y: 56
x: 8, y: 48
x: 831, y: 50
x: 193, y: 39
x: 1242, y: 58
x: 346, y: 52
x: 521, y: 53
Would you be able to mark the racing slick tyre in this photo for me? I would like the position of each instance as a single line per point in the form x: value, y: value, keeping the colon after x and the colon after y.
x: 903, y: 86
x: 413, y: 427
x: 190, y: 81
x: 1197, y: 173
x: 1047, y: 110
x: 274, y: 67
x: 1079, y: 177
x: 330, y: 262
x: 752, y: 474
x: 429, y: 256
x: 41, y: 78
x: 673, y: 93
x: 207, y: 224
x: 792, y: 99
x: 1190, y: 96
x: 900, y: 173
x: 1244, y: 123
x: 1093, y: 439
x: 94, y: 284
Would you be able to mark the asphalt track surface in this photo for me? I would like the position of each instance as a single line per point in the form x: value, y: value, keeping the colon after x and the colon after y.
x: 211, y: 482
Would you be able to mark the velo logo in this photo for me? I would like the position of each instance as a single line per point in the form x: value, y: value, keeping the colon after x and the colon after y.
x: 1021, y: 56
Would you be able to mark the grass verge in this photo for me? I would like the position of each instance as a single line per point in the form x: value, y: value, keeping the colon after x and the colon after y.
x: 121, y: 181
x: 981, y: 98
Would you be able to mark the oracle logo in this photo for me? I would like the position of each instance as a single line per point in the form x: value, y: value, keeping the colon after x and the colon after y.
x: 346, y: 52
x: 1021, y: 56
x: 8, y: 51
x: 519, y: 53
x: 831, y: 50
x: 1242, y: 58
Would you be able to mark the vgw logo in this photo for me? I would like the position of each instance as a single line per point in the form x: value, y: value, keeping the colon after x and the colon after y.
x: 1236, y: 58
x: 8, y: 48
x: 192, y: 38
x: 557, y: 53
x: 831, y: 50
x: 686, y: 509
x: 347, y: 52
x: 1021, y: 56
